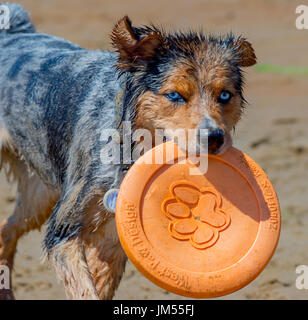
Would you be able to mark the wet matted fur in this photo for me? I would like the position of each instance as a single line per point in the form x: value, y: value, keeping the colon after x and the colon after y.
x: 55, y: 100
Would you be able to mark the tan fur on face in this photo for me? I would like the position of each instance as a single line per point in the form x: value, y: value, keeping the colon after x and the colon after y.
x: 156, y: 111
x: 200, y: 86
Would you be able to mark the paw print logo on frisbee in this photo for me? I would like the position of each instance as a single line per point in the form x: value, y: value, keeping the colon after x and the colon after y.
x: 196, y: 214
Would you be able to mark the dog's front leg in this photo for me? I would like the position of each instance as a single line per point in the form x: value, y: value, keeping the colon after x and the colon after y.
x: 83, y: 246
x: 91, y: 265
x: 71, y: 267
x: 105, y: 258
x: 104, y: 255
x: 64, y: 246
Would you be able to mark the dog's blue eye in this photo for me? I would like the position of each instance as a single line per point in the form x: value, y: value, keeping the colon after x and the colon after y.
x: 225, y: 96
x: 175, y: 97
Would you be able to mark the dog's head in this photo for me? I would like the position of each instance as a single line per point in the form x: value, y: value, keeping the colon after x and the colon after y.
x: 187, y: 81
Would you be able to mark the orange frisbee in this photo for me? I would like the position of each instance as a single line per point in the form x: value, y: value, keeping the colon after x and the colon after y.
x: 198, y: 235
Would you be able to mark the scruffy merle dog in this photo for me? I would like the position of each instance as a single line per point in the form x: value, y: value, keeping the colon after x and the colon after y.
x: 55, y: 100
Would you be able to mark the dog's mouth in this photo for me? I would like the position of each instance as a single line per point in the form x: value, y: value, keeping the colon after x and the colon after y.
x: 217, y: 147
x: 227, y: 143
x: 224, y: 148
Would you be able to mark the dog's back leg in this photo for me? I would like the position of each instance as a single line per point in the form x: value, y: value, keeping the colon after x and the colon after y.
x: 34, y: 204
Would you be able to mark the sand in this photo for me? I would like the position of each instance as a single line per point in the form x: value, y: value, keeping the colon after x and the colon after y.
x: 273, y: 130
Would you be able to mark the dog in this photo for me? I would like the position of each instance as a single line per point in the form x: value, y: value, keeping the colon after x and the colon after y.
x: 57, y: 97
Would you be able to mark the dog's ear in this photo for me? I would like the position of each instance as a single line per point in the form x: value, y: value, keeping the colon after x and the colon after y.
x: 133, y: 49
x: 246, y: 52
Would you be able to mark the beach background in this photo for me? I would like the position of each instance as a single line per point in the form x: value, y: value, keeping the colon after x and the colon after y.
x: 273, y: 130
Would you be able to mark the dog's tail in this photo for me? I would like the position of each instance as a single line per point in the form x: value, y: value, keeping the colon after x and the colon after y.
x: 14, y: 19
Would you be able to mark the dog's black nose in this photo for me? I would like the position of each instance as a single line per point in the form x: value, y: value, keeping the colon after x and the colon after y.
x: 215, y: 139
